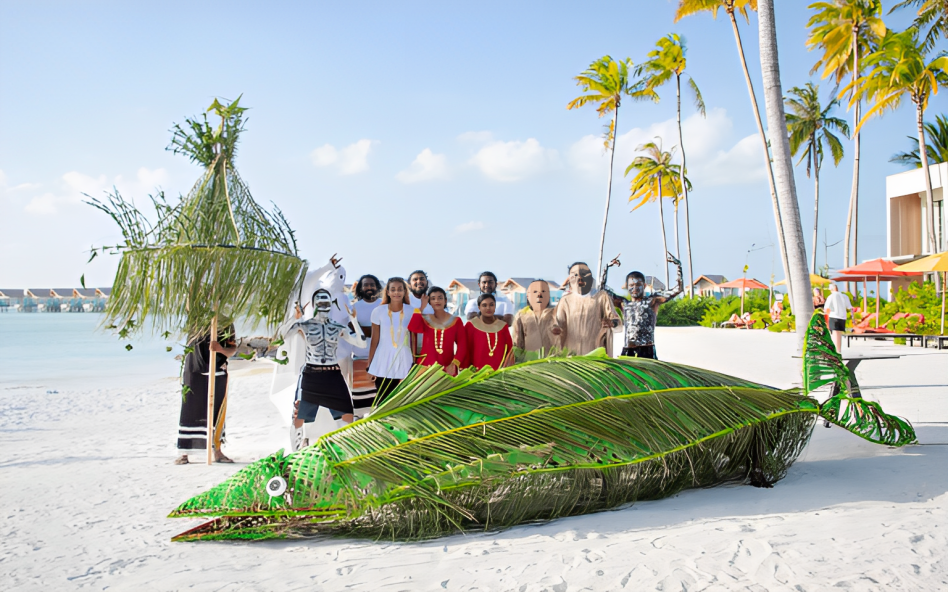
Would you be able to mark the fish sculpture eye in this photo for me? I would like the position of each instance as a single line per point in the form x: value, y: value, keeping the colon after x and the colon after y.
x: 276, y: 486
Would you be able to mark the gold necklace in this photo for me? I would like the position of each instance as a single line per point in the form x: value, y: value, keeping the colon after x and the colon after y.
x: 491, y: 348
x: 391, y: 328
x: 438, y: 345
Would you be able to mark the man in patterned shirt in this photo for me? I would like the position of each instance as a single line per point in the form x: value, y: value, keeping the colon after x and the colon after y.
x: 641, y: 313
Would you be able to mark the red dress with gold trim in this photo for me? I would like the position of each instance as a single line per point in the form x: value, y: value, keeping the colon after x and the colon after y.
x: 440, y: 345
x: 487, y: 345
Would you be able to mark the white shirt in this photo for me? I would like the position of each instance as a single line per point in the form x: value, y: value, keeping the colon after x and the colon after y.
x: 392, y: 354
x: 364, y: 311
x: 504, y: 306
x: 416, y: 304
x: 837, y: 304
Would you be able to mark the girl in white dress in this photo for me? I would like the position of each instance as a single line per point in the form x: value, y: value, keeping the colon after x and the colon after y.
x: 390, y: 356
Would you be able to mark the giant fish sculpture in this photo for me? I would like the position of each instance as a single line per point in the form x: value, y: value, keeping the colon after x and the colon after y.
x: 543, y: 439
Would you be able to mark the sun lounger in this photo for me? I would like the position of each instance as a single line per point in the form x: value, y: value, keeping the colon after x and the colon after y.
x: 910, y: 338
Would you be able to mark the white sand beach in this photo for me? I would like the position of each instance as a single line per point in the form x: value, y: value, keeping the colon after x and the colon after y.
x: 88, y: 482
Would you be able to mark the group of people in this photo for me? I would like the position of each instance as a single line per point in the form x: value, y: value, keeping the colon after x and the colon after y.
x: 390, y: 328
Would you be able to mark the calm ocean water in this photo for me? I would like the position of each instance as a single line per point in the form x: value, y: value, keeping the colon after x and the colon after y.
x: 68, y: 350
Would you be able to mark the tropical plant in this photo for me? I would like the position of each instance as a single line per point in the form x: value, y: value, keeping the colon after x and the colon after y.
x: 798, y: 274
x: 932, y: 14
x: 936, y: 145
x: 846, y: 31
x: 901, y: 68
x: 809, y: 126
x: 684, y: 311
x: 604, y: 83
x: 543, y: 439
x: 215, y: 256
x: 664, y: 62
x: 656, y: 179
x: 689, y: 7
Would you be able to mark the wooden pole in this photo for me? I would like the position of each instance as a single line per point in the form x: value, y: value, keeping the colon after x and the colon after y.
x: 211, y: 383
x: 877, y: 302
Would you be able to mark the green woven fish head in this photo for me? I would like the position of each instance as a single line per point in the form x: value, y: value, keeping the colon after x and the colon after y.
x: 260, y: 500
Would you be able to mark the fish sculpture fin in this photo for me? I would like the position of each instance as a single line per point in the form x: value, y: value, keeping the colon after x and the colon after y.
x: 823, y: 365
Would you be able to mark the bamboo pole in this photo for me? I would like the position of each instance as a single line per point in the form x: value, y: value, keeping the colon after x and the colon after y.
x: 211, y: 383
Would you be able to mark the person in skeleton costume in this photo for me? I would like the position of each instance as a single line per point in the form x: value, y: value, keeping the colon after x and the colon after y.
x: 532, y: 331
x: 321, y: 383
x: 585, y: 317
x: 641, y: 313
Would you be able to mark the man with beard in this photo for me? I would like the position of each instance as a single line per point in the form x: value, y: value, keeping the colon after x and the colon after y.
x: 641, y: 313
x: 585, y: 317
x: 487, y: 282
x: 367, y: 291
x: 418, y: 287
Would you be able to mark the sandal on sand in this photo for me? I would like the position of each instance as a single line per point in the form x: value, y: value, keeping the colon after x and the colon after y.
x: 222, y: 459
x: 181, y: 460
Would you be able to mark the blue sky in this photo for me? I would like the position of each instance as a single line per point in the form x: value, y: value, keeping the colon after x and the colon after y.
x: 401, y: 135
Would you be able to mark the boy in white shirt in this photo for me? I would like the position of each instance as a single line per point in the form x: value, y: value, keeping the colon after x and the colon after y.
x: 837, y: 306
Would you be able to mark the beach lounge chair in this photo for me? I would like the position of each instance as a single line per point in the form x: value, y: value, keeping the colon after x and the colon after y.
x: 895, y: 318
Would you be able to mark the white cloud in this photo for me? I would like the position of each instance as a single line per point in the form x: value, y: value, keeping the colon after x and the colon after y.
x: 468, y: 227
x: 713, y: 157
x: 350, y: 160
x: 427, y: 166
x: 512, y: 161
x: 476, y: 137
x: 46, y: 199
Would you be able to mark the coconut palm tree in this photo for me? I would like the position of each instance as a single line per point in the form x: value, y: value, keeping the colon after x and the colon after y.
x: 932, y: 14
x: 936, y: 145
x: 797, y: 273
x: 657, y: 178
x: 846, y: 31
x: 689, y: 7
x: 900, y: 68
x: 664, y: 62
x: 604, y: 83
x: 809, y: 126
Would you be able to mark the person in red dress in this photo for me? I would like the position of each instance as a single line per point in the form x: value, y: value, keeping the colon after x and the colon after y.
x: 488, y: 337
x: 443, y: 339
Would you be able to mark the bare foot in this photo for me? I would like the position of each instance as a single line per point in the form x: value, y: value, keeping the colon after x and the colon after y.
x: 181, y: 460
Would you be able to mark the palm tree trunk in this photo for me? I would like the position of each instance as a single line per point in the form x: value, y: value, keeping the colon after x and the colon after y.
x: 851, y: 216
x: 797, y: 274
x: 684, y: 187
x: 605, y: 218
x: 816, y: 209
x: 661, y: 215
x: 929, y: 197
x: 781, y: 239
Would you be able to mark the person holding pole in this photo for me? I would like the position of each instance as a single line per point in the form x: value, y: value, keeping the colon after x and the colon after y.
x: 192, y: 424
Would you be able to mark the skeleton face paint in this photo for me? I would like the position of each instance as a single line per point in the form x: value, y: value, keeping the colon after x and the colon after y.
x: 636, y: 287
x: 322, y: 302
x: 538, y: 296
x: 580, y: 279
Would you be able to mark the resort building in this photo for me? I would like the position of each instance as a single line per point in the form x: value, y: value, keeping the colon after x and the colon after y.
x: 907, y: 212
x: 709, y: 285
x: 11, y: 299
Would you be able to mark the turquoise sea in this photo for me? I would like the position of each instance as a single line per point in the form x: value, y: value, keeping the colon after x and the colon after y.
x: 69, y: 350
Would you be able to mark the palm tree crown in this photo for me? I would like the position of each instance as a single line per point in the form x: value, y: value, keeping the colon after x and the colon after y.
x: 832, y: 28
x: 932, y: 14
x: 656, y: 175
x: 689, y: 7
x: 936, y: 135
x: 809, y: 125
x: 604, y: 82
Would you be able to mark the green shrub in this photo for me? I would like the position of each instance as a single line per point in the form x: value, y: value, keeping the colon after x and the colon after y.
x: 684, y: 311
x: 755, y: 301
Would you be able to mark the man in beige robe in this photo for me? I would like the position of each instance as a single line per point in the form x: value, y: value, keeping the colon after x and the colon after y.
x: 585, y: 317
x: 532, y: 329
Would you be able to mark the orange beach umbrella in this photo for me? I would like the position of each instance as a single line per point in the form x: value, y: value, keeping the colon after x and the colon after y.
x: 881, y: 270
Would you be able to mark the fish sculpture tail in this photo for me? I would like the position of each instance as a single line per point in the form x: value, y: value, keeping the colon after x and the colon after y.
x: 823, y: 365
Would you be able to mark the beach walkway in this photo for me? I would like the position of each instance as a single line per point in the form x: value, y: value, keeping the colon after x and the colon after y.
x: 88, y: 483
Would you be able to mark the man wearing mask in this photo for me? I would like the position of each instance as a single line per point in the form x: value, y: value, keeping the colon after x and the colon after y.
x: 585, y: 317
x: 532, y: 330
x: 487, y: 282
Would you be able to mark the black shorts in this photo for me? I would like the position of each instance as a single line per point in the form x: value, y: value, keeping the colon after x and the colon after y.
x: 837, y: 324
x: 323, y: 386
x: 640, y: 351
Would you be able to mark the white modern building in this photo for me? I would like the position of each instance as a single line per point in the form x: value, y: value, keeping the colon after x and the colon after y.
x: 907, y: 211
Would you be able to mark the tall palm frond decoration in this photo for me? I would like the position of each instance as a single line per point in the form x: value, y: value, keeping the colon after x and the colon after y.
x: 932, y: 14
x: 213, y: 257
x: 656, y: 179
x: 664, y: 62
x: 604, y: 83
x: 936, y: 145
x: 811, y: 126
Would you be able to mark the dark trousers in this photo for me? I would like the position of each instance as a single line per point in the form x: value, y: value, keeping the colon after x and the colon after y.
x: 640, y: 351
